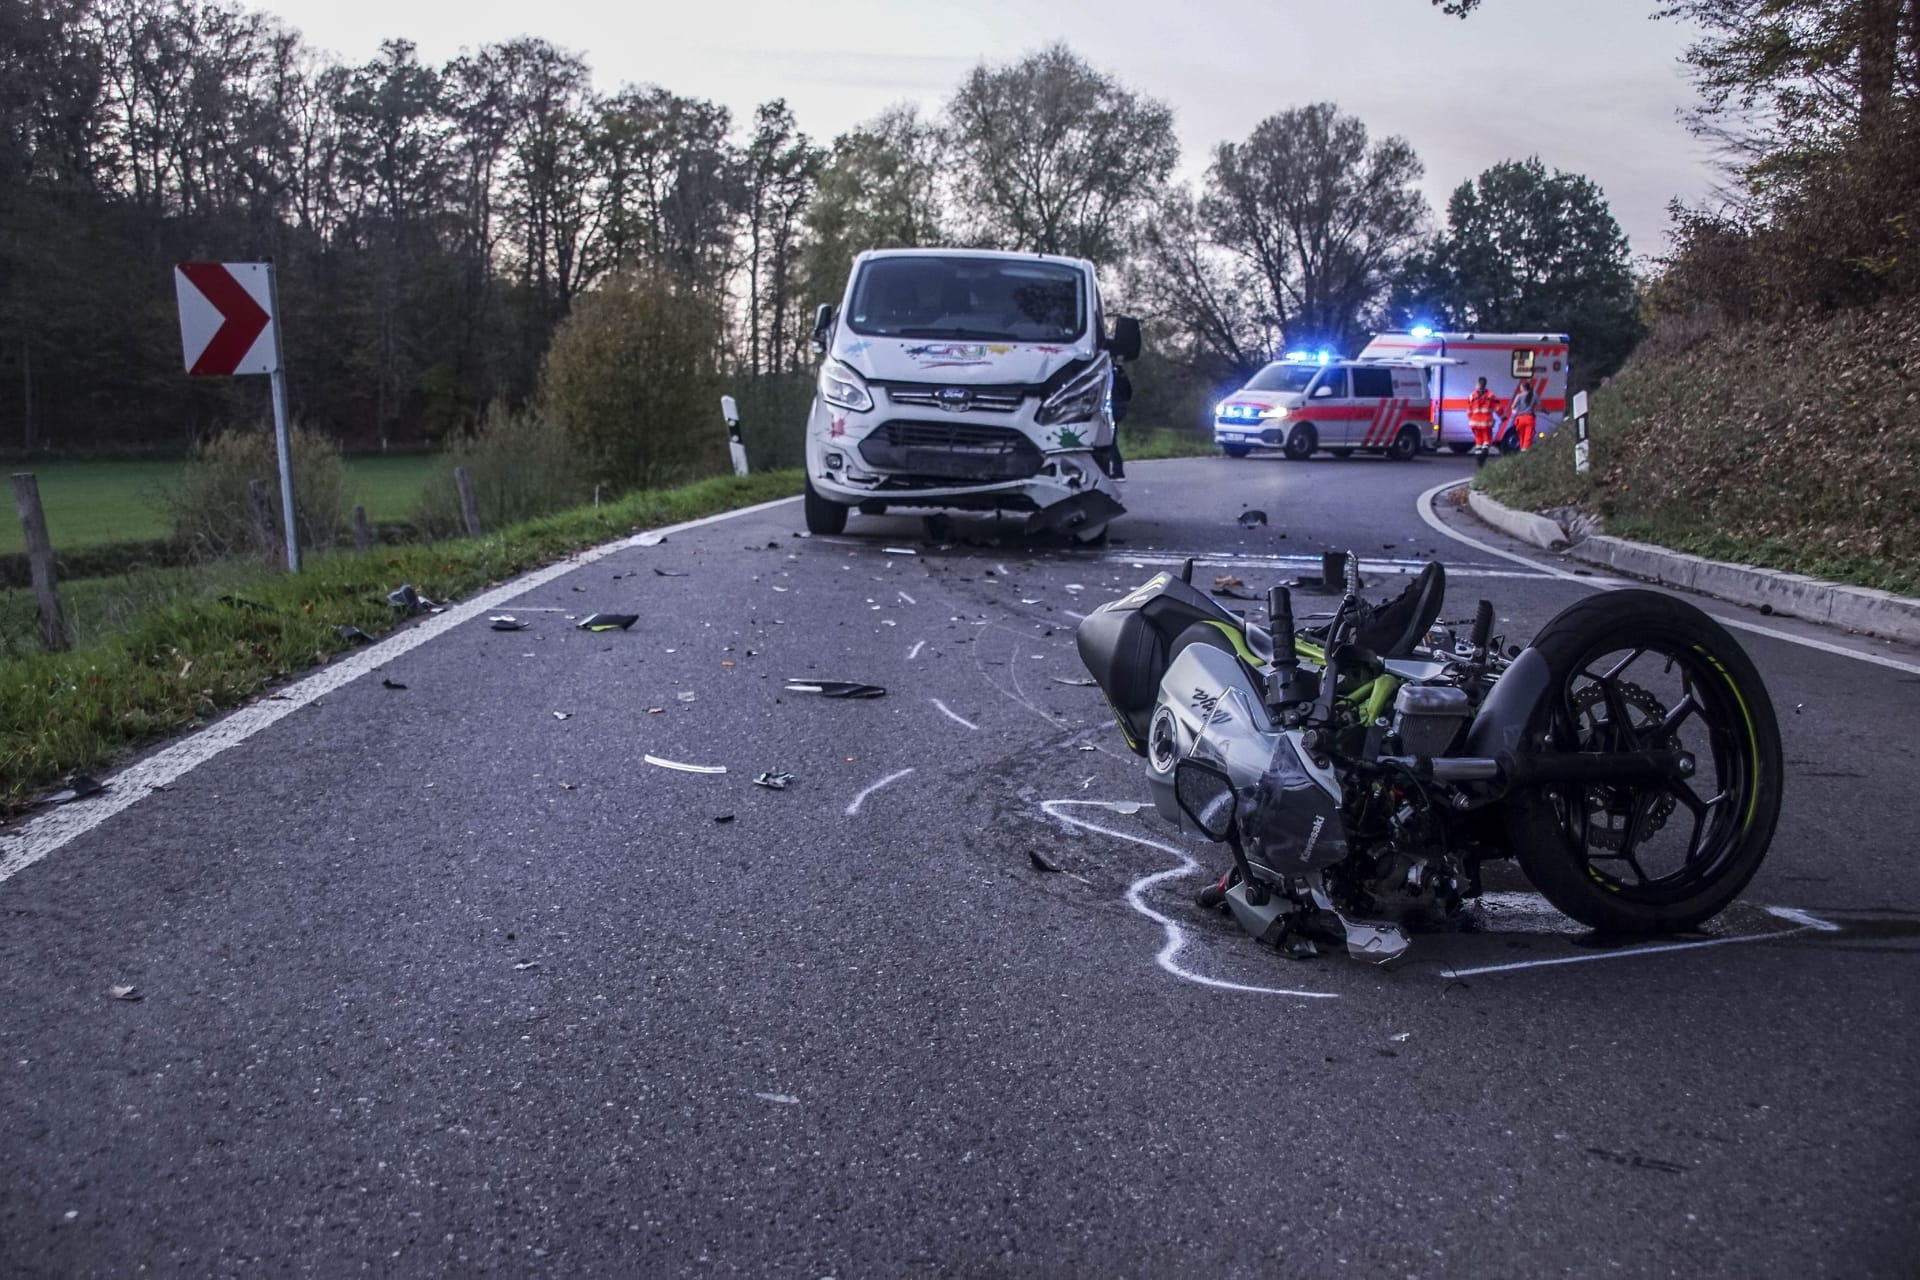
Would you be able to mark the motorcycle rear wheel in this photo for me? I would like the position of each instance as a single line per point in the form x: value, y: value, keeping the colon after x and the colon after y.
x: 1638, y: 670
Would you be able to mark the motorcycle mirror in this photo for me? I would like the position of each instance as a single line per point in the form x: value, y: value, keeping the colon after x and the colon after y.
x: 1205, y: 795
x: 1125, y: 342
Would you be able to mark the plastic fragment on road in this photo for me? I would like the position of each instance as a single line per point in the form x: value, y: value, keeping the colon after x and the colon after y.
x: 687, y: 696
x: 1252, y: 518
x: 79, y: 787
x: 607, y: 621
x: 407, y: 596
x: 650, y: 539
x: 898, y: 551
x: 563, y: 715
x: 654, y: 711
x: 684, y: 767
x: 722, y: 818
x: 352, y: 634
x: 835, y: 688
x: 671, y: 573
x: 783, y: 1099
x: 506, y: 622
x: 129, y: 994
x: 1076, y: 681
x: 388, y: 682
x: 1041, y: 862
x: 774, y: 780
x: 525, y: 965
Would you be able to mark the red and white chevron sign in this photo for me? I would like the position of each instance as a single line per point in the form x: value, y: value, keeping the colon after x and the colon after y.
x: 226, y: 317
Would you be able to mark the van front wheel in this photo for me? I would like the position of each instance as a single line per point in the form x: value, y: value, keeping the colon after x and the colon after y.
x: 1406, y: 445
x: 823, y: 515
x: 1301, y: 442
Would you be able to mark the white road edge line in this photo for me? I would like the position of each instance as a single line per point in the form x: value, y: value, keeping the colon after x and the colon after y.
x: 1807, y: 923
x: 1176, y: 937
x: 1425, y: 506
x: 45, y: 834
x: 949, y: 713
x: 861, y: 799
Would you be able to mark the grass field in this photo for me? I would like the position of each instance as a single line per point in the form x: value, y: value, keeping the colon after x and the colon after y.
x: 88, y: 503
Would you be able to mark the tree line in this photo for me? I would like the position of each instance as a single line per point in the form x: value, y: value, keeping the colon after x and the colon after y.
x: 434, y: 224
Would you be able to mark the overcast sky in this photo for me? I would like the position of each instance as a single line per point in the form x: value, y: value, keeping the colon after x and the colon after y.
x: 1592, y: 86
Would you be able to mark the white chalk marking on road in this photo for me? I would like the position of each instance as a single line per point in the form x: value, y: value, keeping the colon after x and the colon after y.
x: 49, y: 832
x: 1806, y: 923
x: 1425, y: 504
x: 861, y: 799
x: 1176, y: 937
x: 914, y: 652
x: 948, y: 712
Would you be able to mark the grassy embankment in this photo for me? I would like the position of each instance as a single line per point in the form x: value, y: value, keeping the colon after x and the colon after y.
x: 188, y: 655
x: 1792, y: 446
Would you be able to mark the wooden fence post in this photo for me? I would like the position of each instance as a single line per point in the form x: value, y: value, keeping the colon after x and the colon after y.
x: 362, y: 535
x: 467, y: 507
x: 26, y: 500
x: 263, y: 526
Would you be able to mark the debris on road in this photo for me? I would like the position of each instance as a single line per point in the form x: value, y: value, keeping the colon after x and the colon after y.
x: 650, y: 539
x: 835, y: 688
x: 79, y: 787
x: 654, y: 711
x: 129, y: 994
x: 352, y: 634
x: 1252, y: 518
x: 563, y: 715
x: 506, y: 622
x: 686, y: 696
x: 1041, y: 862
x: 722, y: 818
x: 525, y: 965
x: 1230, y: 586
x: 671, y: 573
x: 784, y: 1099
x: 1076, y: 681
x: 607, y: 621
x: 898, y: 551
x: 774, y: 780
x: 406, y: 596
x: 683, y: 767
x: 388, y: 682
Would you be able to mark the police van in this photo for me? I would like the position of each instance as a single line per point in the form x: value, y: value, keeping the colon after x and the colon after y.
x: 1303, y: 403
x: 1455, y: 362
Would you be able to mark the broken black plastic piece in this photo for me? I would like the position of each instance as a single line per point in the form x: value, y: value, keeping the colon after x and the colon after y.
x: 1252, y: 518
x: 352, y: 634
x: 836, y: 688
x: 607, y: 621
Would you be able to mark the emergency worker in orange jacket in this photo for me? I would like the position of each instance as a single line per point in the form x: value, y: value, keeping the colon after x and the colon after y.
x: 1481, y: 406
x: 1526, y: 402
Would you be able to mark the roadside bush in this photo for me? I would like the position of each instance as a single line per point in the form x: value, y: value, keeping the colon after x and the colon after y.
x: 521, y: 467
x: 633, y: 381
x: 212, y: 511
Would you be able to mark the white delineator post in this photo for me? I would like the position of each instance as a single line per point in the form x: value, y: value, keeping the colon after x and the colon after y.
x: 730, y: 410
x: 282, y: 435
x: 1580, y: 432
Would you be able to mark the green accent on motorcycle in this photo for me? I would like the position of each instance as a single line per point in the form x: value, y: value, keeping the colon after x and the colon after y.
x: 1239, y: 641
x: 1753, y: 737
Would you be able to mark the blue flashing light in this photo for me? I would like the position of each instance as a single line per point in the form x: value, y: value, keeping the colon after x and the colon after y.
x: 1296, y: 355
x: 1421, y: 331
x: 1325, y: 356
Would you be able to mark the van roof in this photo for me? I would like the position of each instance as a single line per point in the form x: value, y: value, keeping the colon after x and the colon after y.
x: 1002, y: 254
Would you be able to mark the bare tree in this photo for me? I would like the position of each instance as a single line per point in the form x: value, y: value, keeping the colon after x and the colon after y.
x: 878, y: 188
x: 1057, y: 157
x: 1320, y: 213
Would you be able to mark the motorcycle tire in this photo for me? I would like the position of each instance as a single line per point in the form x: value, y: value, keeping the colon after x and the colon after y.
x: 1729, y: 724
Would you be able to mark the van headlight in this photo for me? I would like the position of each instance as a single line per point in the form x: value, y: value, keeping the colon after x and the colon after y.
x: 841, y: 387
x: 1080, y: 399
x: 1276, y: 413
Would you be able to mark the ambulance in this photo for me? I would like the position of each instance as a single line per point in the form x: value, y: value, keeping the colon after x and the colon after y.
x: 1455, y: 362
x: 1304, y: 403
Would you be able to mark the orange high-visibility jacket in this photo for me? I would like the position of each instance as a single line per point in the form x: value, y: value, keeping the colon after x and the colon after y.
x: 1480, y: 407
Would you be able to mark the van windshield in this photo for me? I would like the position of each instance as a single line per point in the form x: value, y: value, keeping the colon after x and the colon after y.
x: 1283, y: 377
x: 1011, y: 300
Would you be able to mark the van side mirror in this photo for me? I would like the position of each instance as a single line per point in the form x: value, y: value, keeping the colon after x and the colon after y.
x: 1125, y: 342
x: 822, y: 327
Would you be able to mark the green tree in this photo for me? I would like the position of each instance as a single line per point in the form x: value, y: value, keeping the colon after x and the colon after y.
x: 1056, y: 157
x: 877, y: 189
x: 1526, y: 249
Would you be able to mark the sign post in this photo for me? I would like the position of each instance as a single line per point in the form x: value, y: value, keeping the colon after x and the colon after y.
x: 230, y: 327
x: 1580, y: 432
x: 730, y: 411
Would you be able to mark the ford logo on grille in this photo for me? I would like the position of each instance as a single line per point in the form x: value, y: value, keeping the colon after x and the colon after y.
x: 953, y: 397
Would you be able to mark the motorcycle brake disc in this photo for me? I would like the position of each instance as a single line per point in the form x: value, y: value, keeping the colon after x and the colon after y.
x: 1605, y: 802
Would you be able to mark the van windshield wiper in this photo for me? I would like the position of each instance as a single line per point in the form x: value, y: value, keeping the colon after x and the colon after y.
x: 958, y: 332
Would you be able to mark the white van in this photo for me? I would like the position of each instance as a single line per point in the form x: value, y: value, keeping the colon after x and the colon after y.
x: 1301, y: 404
x: 967, y: 379
x: 1456, y: 361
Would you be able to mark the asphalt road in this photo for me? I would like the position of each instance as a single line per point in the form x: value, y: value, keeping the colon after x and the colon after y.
x: 437, y: 981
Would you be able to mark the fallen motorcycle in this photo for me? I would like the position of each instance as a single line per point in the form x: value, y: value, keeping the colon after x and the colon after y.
x: 1363, y: 770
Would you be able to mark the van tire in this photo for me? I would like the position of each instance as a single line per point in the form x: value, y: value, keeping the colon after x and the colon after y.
x: 1301, y: 442
x: 823, y: 515
x: 1406, y: 445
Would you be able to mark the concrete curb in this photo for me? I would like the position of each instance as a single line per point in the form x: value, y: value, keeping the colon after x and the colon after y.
x: 1862, y: 609
x: 1524, y: 525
